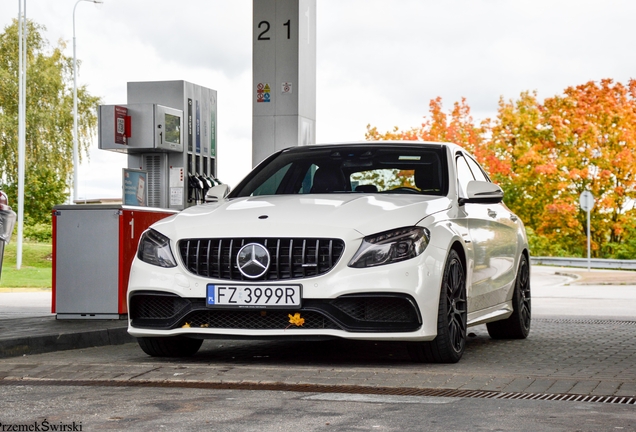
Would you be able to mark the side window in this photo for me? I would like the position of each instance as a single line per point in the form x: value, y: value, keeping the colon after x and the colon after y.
x: 478, y: 172
x: 464, y: 175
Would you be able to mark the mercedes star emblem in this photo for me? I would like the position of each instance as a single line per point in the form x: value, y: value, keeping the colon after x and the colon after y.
x: 253, y: 260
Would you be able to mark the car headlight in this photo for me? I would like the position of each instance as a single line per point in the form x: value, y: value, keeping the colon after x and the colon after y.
x: 154, y: 248
x: 390, y: 247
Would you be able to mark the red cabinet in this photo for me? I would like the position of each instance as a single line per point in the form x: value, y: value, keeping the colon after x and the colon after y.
x: 93, y: 249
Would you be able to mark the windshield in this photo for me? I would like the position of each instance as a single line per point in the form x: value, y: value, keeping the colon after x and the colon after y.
x: 353, y: 169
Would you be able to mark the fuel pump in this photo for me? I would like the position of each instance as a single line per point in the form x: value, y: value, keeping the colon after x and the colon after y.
x: 168, y: 130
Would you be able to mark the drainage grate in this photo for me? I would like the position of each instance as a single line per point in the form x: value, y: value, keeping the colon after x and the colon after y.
x: 583, y: 321
x: 316, y: 388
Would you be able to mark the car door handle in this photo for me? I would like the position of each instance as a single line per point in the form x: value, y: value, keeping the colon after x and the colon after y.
x: 492, y: 213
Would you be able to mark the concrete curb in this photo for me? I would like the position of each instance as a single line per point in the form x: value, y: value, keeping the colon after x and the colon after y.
x: 572, y: 276
x: 20, y: 290
x: 46, y: 334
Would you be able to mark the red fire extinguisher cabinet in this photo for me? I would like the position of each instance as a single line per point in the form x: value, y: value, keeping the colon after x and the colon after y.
x: 93, y: 249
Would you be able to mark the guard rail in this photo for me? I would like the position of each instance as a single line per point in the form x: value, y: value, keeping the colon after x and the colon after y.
x: 598, y: 263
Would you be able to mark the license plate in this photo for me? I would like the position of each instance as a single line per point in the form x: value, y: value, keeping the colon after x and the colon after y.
x: 253, y: 296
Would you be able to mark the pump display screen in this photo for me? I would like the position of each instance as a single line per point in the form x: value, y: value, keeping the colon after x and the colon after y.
x: 173, y: 129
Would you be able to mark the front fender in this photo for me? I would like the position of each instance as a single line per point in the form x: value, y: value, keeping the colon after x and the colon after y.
x: 447, y: 234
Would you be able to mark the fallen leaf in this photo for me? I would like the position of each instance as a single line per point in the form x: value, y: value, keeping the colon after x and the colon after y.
x: 296, y: 319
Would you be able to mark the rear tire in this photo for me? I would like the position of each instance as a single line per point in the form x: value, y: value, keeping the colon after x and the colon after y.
x: 169, y: 346
x: 517, y: 326
x: 448, y: 346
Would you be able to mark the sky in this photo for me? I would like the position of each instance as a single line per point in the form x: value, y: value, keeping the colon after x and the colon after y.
x: 379, y: 62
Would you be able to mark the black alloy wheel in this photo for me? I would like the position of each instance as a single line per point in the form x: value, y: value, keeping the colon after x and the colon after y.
x: 517, y: 326
x: 449, y: 345
x: 456, y: 309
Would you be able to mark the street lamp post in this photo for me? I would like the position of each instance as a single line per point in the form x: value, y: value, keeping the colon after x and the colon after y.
x: 75, y: 137
x: 22, y: 76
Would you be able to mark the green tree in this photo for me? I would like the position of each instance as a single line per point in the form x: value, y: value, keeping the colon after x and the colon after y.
x: 49, y: 121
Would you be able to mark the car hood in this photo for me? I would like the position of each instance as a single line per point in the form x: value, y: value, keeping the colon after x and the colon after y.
x: 301, y: 215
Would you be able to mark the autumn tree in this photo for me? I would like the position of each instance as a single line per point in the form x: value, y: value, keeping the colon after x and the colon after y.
x: 583, y: 139
x: 457, y: 126
x: 594, y: 140
x: 544, y: 154
x: 519, y: 138
x: 49, y: 121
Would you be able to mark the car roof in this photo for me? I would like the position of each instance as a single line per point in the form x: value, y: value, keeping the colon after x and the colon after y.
x: 372, y: 145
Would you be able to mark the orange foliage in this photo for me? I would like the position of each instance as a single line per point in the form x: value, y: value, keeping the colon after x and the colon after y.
x: 438, y: 126
x: 545, y: 154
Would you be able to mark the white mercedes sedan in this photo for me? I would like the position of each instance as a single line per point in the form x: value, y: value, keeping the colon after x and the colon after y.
x: 399, y: 241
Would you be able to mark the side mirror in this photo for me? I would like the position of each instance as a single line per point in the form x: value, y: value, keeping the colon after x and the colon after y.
x: 217, y: 193
x: 481, y: 192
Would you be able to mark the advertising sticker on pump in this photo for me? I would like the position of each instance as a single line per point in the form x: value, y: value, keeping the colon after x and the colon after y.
x: 135, y: 192
x: 120, y: 124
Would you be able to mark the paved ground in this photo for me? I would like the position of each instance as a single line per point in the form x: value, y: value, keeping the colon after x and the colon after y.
x: 24, y: 303
x: 566, y: 292
x: 200, y: 409
x: 583, y: 341
x: 571, y: 356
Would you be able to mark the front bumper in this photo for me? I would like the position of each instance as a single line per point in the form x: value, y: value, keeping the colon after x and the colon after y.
x: 374, y: 312
x: 392, y: 302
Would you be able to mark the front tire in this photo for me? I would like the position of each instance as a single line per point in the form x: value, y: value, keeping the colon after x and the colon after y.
x: 169, y: 346
x: 450, y: 342
x: 517, y: 326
